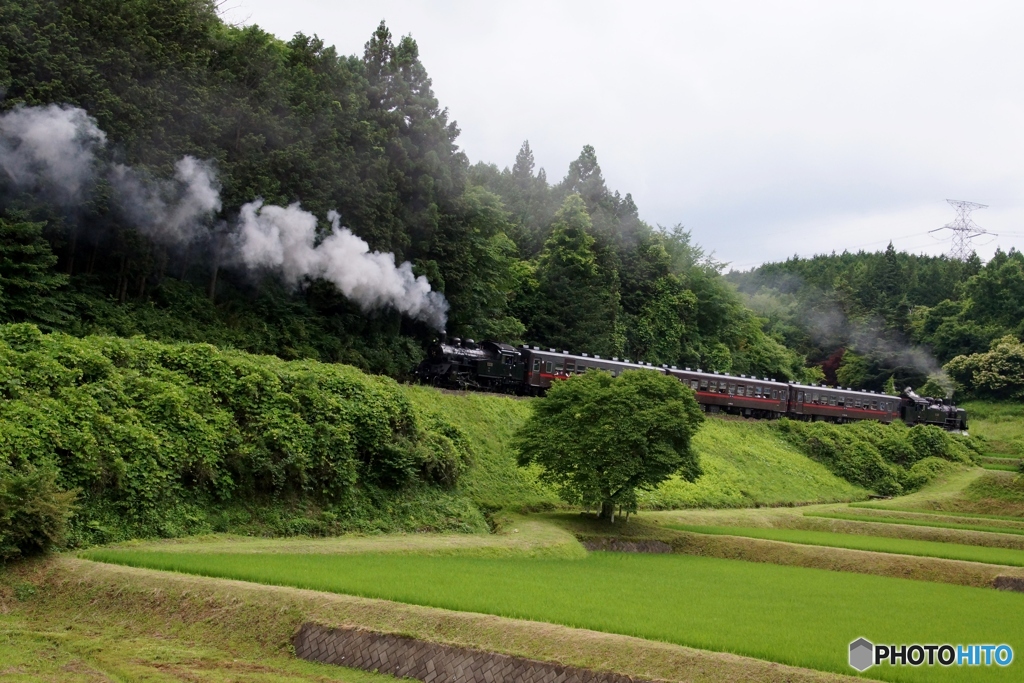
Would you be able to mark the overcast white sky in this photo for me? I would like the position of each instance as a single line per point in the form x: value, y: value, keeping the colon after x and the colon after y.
x: 766, y: 128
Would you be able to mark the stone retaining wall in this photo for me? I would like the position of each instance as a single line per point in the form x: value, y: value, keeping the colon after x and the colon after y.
x: 430, y: 662
x: 1009, y: 583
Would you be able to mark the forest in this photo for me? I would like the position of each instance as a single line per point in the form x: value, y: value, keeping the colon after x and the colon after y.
x: 221, y: 185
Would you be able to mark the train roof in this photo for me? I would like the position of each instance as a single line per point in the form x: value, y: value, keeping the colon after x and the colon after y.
x: 840, y: 390
x: 616, y: 362
x: 710, y: 374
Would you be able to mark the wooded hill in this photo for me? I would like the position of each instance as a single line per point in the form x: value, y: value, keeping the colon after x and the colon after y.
x: 567, y: 264
x: 868, y: 317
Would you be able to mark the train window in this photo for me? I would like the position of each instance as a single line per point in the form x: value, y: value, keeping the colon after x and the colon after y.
x: 757, y: 392
x: 874, y: 405
x: 813, y: 397
x: 840, y: 401
x: 558, y: 368
x: 741, y: 390
x: 547, y: 367
x: 536, y: 364
x: 703, y: 384
x: 570, y: 367
x: 831, y: 400
x: 775, y: 394
x: 732, y: 389
x: 799, y: 397
x: 693, y: 384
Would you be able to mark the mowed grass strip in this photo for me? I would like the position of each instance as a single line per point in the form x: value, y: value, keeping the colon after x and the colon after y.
x: 938, y: 524
x: 878, y: 544
x: 804, y: 617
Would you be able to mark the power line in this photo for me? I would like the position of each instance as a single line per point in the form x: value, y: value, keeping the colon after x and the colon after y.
x: 964, y: 229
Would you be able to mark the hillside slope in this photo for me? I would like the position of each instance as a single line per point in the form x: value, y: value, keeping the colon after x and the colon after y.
x: 745, y: 462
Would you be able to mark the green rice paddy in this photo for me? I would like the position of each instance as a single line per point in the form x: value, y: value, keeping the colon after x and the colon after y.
x: 880, y: 544
x: 938, y: 524
x: 935, y: 513
x: 804, y: 617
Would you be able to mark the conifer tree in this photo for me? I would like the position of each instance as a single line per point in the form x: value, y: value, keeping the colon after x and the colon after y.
x: 28, y: 281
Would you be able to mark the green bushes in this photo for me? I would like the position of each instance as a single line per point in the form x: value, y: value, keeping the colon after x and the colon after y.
x: 154, y: 436
x: 33, y: 511
x: 889, y: 459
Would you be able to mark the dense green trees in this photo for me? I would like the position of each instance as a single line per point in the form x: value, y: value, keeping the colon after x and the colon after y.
x: 862, y: 315
x: 600, y: 438
x: 291, y: 121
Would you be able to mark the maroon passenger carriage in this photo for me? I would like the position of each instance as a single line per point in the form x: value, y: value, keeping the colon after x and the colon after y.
x: 531, y: 370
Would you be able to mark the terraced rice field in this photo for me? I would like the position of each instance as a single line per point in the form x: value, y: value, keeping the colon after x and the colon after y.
x: 968, y: 524
x: 881, y: 544
x: 793, y: 615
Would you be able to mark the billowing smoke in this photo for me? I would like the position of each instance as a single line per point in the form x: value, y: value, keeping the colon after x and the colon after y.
x: 870, y: 338
x: 50, y: 151
x: 284, y: 239
x: 171, y: 212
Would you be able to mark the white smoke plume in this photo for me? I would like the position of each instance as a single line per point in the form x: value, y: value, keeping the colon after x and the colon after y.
x: 284, y: 239
x: 170, y: 211
x: 50, y: 150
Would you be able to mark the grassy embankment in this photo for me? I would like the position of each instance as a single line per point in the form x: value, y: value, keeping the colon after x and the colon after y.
x: 1001, y: 425
x: 746, y: 464
x: 782, y: 614
x: 881, y: 544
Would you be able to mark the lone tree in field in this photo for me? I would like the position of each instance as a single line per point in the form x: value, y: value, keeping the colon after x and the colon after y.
x: 600, y: 438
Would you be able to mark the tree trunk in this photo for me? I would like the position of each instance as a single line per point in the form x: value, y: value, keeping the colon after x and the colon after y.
x: 608, y: 511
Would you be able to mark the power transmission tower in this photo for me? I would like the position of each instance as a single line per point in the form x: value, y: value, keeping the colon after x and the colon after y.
x: 964, y: 229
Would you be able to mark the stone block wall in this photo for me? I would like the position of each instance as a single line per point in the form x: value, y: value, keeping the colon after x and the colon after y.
x: 431, y: 662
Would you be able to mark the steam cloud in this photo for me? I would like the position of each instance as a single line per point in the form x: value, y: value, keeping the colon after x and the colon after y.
x: 169, y: 211
x: 284, y: 238
x: 870, y: 338
x: 51, y: 152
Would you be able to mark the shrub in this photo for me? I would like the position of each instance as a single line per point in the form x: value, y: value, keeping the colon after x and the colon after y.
x: 33, y: 511
x: 889, y: 459
x: 145, y: 430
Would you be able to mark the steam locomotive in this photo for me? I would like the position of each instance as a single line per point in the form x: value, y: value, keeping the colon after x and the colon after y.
x: 529, y: 371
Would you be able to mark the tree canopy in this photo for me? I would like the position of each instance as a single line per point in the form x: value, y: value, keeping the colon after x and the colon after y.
x: 599, y: 439
x: 567, y: 263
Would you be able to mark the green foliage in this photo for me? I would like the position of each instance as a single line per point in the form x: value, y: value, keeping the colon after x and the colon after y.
x: 998, y: 373
x: 156, y: 435
x: 33, y: 510
x: 28, y: 286
x: 576, y: 299
x: 889, y: 459
x: 600, y: 438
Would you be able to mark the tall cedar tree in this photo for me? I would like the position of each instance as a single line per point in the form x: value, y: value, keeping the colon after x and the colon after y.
x: 576, y: 303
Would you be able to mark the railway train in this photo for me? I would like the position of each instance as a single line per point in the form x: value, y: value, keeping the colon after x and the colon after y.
x: 530, y: 370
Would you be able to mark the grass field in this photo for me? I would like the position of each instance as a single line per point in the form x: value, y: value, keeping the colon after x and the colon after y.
x: 936, y: 523
x: 880, y: 544
x: 792, y: 615
x: 746, y: 464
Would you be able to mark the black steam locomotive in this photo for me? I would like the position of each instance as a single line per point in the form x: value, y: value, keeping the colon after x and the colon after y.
x: 530, y: 370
